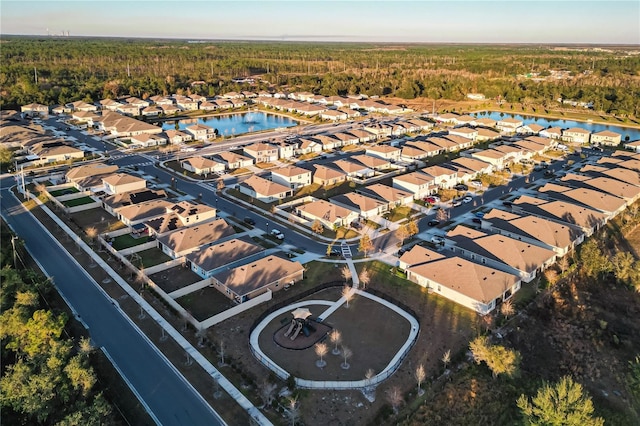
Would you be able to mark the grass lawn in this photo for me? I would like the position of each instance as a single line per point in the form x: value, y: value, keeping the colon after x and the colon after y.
x: 78, y: 201
x: 265, y: 165
x: 64, y: 191
x: 175, y: 166
x: 244, y: 197
x: 240, y: 171
x: 125, y: 241
x: 97, y: 217
x: 205, y: 303
x: 151, y: 257
x: 341, y: 233
x: 399, y: 213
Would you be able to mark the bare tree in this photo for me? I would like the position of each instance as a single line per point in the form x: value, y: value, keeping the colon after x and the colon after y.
x: 141, y: 279
x: 403, y: 233
x: 365, y: 277
x: 346, y: 273
x: 442, y: 215
x: 201, y: 334
x: 92, y: 234
x: 267, y: 393
x: 507, y: 308
x: 446, y: 358
x: 222, y: 346
x: 394, y: 397
x: 317, y: 227
x: 347, y: 293
x: 346, y: 354
x: 369, y: 375
x: 420, y: 375
x: 365, y: 245
x: 321, y: 350
x: 336, y: 338
x: 563, y: 263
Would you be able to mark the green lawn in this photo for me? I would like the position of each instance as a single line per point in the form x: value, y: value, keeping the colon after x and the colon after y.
x: 64, y: 191
x: 79, y: 201
x: 126, y: 241
x: 399, y: 213
x: 151, y: 257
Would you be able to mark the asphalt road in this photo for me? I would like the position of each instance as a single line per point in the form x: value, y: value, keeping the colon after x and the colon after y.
x: 166, y: 393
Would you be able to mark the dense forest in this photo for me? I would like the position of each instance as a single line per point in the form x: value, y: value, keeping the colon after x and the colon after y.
x: 47, y: 377
x: 59, y: 70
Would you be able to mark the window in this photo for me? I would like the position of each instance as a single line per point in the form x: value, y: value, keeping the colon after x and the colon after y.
x: 439, y: 288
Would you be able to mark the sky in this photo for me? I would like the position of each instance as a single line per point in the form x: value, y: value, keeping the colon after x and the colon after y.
x: 423, y: 21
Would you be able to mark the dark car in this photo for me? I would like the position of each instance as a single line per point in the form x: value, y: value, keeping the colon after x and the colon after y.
x: 476, y: 220
x: 249, y: 221
x: 507, y: 203
x: 335, y: 253
x: 461, y: 187
x: 433, y: 222
x: 402, y: 251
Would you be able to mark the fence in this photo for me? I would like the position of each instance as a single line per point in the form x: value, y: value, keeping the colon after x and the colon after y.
x: 190, y: 288
x: 166, y: 265
x: 84, y: 207
x: 218, y: 318
x: 139, y: 247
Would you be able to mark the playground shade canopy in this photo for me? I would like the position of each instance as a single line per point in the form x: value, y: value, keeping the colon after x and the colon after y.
x: 301, y: 313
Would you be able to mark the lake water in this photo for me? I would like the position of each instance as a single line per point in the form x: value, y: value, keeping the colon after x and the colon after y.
x: 235, y: 124
x: 634, y: 134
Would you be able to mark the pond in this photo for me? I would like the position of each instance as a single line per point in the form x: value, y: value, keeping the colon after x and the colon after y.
x: 634, y: 134
x: 236, y: 124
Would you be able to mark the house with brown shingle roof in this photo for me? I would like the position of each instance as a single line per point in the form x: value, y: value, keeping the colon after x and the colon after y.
x: 308, y: 146
x: 428, y: 147
x: 551, y: 133
x: 35, y: 110
x: 329, y: 214
x: 201, y: 132
x: 393, y: 196
x: 327, y: 176
x: 418, y: 183
x: 353, y: 169
x: 486, y: 121
x: 620, y: 173
x: 445, y: 145
x: 486, y: 134
x: 386, y: 152
x: 475, y: 165
x: 293, y: 177
x: 183, y: 213
x: 188, y: 239
x: 500, y: 252
x: 509, y: 125
x: 202, y: 165
x: 346, y: 138
x: 208, y: 260
x: 533, y: 229
x: 122, y: 126
x: 363, y: 205
x: 577, y: 135
x: 411, y: 153
x: 469, y: 284
x: 532, y: 129
x: 443, y: 177
x: 250, y: 280
x: 598, y: 200
x: 418, y: 255
x: 588, y: 220
x: 465, y: 132
x: 262, y: 152
x: 363, y: 135
x: 606, y: 137
x: 112, y: 202
x: 629, y: 193
x: 372, y: 162
x: 118, y: 183
x: 136, y: 214
x: 87, y: 170
x: 264, y: 190
x: 232, y: 160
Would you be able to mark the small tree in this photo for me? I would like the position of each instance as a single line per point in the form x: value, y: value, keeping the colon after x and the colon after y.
x: 394, y: 397
x: 365, y: 278
x: 317, y: 227
x: 403, y: 233
x: 499, y: 359
x: 321, y: 350
x: 222, y: 346
x: 442, y: 215
x: 347, y: 293
x: 346, y: 273
x: 336, y: 338
x: 92, y: 234
x: 365, y: 245
x: 267, y: 392
x: 412, y: 227
x: 346, y: 354
x: 220, y: 185
x: 329, y: 249
x: 561, y: 404
x: 446, y: 358
x: 507, y: 309
x: 293, y: 411
x: 420, y: 375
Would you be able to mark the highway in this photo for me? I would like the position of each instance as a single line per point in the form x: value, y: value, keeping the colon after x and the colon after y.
x: 168, y: 396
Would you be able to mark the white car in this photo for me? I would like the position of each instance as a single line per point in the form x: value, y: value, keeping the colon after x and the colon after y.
x: 467, y: 199
x: 437, y: 240
x: 276, y: 233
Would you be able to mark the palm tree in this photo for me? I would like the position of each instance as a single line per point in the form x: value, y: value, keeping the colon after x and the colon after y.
x: 321, y: 350
x: 446, y: 358
x: 336, y: 338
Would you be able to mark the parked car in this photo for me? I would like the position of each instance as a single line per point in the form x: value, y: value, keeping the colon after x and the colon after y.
x: 456, y: 203
x: 437, y: 240
x: 432, y: 200
x: 249, y: 221
x: 476, y: 184
x: 476, y: 220
x: 507, y: 203
x: 276, y: 233
x: 467, y: 199
x: 433, y: 222
x: 480, y: 214
x: 335, y: 253
x: 461, y: 187
x: 402, y: 251
x: 356, y: 225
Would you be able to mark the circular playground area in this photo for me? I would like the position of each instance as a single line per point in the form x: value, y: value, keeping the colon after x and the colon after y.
x: 374, y: 335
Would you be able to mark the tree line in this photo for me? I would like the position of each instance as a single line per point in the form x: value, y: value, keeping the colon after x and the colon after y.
x: 58, y: 71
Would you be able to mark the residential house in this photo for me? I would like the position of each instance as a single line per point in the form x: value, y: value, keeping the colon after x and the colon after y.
x: 35, y: 110
x: 202, y: 165
x: 333, y: 115
x: 191, y: 238
x: 486, y: 122
x: 112, y: 202
x: 308, y: 146
x: 393, y: 196
x: 551, y: 133
x: 418, y: 255
x: 264, y: 190
x: 207, y: 260
x: 598, y: 200
x: 555, y: 236
x: 152, y: 111
x: 186, y: 104
x: 606, y: 137
x: 346, y: 139
x: 363, y: 135
x: 588, y: 220
x: 387, y: 152
x: 485, y: 135
x: 232, y: 160
x: 443, y: 177
x: 478, y: 167
x: 201, y: 132
x: 147, y: 140
x: 286, y: 150
x: 135, y: 215
x: 177, y: 137
x: 633, y: 145
x: 118, y: 183
x: 109, y: 104
x: 427, y: 147
x: 420, y: 184
x: 329, y: 214
x: 327, y: 176
x: 410, y: 153
x: 81, y: 106
x: 465, y: 132
x: 629, y: 193
x: 621, y: 173
x: 447, y: 118
x: 530, y: 129
x: 55, y: 152
x: 445, y: 145
x: 494, y: 157
x: 500, y: 252
x: 353, y: 169
x: 293, y: 177
x: 169, y: 109
x: 365, y: 206
x: 461, y: 143
x: 262, y: 152
x: 509, y: 125
x: 129, y: 109
x: 473, y: 286
x: 180, y: 215
x: 328, y: 142
x: 208, y: 106
x: 269, y: 273
x: 577, y: 135
x: 121, y: 126
x: 381, y: 130
x: 529, y: 148
x: 89, y: 170
x: 372, y: 162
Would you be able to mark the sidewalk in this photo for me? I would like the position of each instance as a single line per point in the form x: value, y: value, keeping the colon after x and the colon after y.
x: 256, y: 415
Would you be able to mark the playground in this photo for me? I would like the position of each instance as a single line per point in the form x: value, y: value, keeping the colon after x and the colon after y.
x: 376, y: 335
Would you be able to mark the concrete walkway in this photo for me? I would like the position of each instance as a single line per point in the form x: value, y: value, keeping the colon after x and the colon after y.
x: 225, y: 384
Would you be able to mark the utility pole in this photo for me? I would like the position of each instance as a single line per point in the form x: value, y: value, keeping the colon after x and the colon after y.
x: 13, y: 244
x: 35, y: 74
